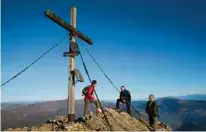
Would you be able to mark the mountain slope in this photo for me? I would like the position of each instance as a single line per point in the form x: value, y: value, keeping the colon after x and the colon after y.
x: 96, y: 122
x: 192, y: 126
x: 175, y: 112
x: 35, y: 114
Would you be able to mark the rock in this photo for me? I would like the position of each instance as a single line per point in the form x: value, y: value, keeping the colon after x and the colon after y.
x: 26, y: 129
x: 45, y: 127
x: 10, y: 129
x: 118, y: 122
x: 34, y: 128
x: 17, y: 129
x: 64, y: 119
x: 114, y: 120
x: 96, y: 124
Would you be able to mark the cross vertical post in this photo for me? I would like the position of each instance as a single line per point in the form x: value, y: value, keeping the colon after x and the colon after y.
x: 73, y: 51
x: 71, y: 90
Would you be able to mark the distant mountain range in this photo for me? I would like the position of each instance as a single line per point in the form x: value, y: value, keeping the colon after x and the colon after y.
x: 31, y: 114
x: 193, y: 97
x: 179, y: 114
x: 184, y: 97
x: 17, y: 104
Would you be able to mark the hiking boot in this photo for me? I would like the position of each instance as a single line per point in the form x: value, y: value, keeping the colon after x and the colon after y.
x: 83, y: 118
x: 154, y: 127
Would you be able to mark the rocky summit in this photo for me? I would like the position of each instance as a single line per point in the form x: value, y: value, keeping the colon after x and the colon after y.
x: 114, y: 120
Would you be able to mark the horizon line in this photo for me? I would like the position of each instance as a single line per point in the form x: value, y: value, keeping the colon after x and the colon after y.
x: 137, y: 99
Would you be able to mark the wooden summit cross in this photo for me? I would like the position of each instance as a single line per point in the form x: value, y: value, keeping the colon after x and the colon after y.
x: 73, y: 51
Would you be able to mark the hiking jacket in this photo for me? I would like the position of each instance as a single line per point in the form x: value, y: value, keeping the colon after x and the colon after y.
x: 89, y: 95
x: 152, y: 109
x: 125, y: 95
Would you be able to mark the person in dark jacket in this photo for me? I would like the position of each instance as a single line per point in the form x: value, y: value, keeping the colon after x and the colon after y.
x: 125, y: 97
x: 89, y: 98
x: 153, y: 111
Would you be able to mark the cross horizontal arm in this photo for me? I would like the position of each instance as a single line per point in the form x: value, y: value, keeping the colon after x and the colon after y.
x: 67, y: 26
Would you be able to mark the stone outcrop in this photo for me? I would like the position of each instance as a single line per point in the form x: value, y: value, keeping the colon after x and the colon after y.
x: 115, y: 121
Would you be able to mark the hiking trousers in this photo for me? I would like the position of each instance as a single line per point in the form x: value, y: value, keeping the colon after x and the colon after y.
x: 87, y: 102
x: 153, y: 121
x: 127, y: 104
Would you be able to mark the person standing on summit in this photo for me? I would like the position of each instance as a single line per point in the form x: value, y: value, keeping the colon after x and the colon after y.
x: 88, y: 93
x: 153, y: 111
x: 125, y: 97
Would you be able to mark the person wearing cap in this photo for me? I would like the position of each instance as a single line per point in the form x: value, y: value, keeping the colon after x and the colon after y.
x: 125, y: 97
x: 153, y: 111
x: 89, y: 98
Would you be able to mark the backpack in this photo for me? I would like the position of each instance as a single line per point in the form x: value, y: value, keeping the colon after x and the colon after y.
x: 84, y: 90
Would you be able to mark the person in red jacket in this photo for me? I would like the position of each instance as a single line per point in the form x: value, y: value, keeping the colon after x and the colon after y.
x: 89, y: 98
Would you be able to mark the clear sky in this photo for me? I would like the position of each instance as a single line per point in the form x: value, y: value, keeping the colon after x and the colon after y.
x: 149, y: 46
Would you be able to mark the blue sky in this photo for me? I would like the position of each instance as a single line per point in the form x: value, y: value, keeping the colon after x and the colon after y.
x: 149, y: 46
